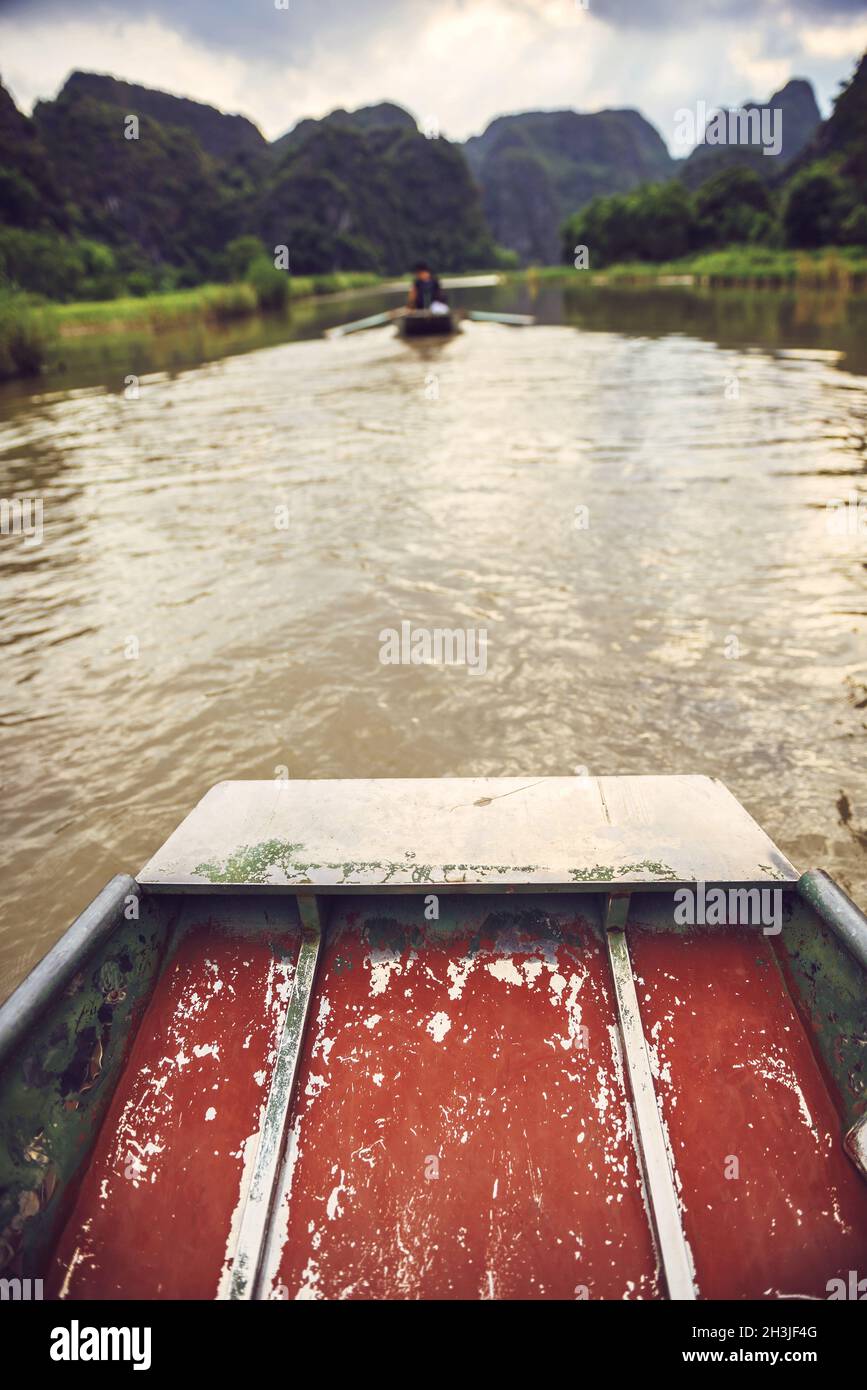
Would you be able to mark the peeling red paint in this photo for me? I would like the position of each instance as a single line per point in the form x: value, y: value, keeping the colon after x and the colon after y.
x: 154, y: 1211
x: 455, y: 1134
x: 737, y: 1078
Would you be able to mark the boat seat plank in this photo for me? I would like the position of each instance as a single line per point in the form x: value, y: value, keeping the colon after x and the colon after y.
x: 460, y: 834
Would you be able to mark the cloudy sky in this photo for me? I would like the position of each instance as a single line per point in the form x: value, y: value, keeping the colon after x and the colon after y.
x: 455, y: 62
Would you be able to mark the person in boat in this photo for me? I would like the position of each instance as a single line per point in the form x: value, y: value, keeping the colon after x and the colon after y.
x: 426, y: 292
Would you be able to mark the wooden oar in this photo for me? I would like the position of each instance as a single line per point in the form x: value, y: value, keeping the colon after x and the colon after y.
x: 374, y: 321
x: 516, y: 320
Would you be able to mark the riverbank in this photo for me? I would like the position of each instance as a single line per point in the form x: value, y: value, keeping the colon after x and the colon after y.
x: 216, y: 303
x: 735, y: 267
x: 32, y: 332
x: 37, y: 336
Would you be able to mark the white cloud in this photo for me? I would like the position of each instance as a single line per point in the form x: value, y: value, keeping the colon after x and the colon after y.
x: 835, y: 40
x: 761, y: 73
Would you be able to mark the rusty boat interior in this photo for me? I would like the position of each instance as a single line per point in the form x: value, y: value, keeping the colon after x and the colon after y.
x: 540, y: 1038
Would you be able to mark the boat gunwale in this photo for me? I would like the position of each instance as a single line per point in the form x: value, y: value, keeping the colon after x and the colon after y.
x: 94, y: 926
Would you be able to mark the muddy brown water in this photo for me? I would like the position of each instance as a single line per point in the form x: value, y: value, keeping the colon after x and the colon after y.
x: 630, y: 500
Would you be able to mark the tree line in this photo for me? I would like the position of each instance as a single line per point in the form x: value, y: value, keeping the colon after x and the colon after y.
x: 664, y: 221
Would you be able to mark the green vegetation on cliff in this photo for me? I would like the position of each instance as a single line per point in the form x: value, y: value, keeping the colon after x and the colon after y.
x: 537, y: 167
x: 114, y: 189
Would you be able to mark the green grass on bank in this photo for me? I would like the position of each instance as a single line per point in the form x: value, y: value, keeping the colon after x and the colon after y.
x: 26, y: 336
x: 743, y: 267
x: 751, y: 267
x: 155, y: 310
x: 218, y: 303
x: 30, y: 327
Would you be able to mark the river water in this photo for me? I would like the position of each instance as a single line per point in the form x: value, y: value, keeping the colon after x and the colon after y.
x: 629, y: 499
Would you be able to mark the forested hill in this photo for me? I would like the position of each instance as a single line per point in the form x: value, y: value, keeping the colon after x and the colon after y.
x: 366, y: 190
x: 220, y: 135
x: 842, y: 139
x: 29, y: 195
x: 85, y: 208
x: 385, y: 115
x: 538, y: 167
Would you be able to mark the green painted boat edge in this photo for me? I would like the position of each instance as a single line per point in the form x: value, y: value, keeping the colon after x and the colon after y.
x: 64, y: 1038
x: 837, y: 909
x: 825, y: 944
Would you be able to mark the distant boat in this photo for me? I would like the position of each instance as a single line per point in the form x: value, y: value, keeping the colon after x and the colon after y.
x: 512, y: 1038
